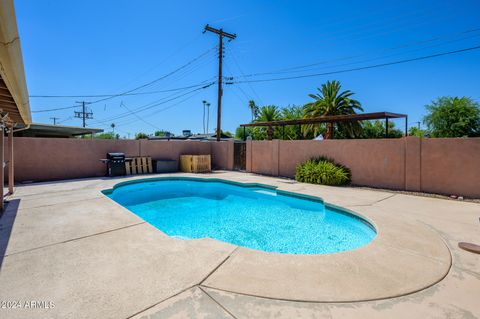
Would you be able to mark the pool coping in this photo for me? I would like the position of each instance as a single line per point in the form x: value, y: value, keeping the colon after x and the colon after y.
x: 391, y: 265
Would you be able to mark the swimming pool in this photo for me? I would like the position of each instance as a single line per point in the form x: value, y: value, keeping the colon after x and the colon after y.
x: 253, y: 216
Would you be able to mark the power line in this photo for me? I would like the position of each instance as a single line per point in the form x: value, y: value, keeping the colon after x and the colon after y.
x: 157, y: 102
x: 377, y: 58
x: 243, y: 74
x: 65, y: 120
x: 376, y: 22
x: 392, y: 25
x: 136, y: 115
x: 80, y: 96
x: 158, y: 79
x: 138, y: 87
x: 394, y: 48
x: 174, y: 53
x: 165, y: 108
x: 56, y: 109
x: 151, y: 105
x: 108, y: 95
x: 362, y: 68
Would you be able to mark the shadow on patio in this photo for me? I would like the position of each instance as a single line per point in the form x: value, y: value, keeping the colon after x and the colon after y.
x: 7, y: 219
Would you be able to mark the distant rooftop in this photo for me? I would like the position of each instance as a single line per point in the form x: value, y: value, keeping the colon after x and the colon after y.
x: 196, y: 137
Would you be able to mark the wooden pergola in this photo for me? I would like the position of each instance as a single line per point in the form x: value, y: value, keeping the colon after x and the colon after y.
x: 14, y: 102
x: 332, y: 119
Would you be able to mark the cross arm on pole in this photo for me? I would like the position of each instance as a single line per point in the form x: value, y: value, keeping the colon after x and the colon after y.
x: 220, y: 32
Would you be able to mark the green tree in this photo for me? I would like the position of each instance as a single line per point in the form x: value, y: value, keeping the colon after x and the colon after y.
x: 239, y: 133
x: 328, y: 102
x: 376, y: 129
x: 141, y: 135
x: 107, y: 136
x: 453, y: 117
x: 162, y: 133
x: 415, y: 131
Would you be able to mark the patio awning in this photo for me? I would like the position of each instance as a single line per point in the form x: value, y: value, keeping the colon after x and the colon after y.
x: 13, y: 87
x: 48, y: 130
x: 14, y: 103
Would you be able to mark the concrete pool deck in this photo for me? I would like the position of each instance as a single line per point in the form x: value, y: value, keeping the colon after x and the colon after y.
x: 67, y: 243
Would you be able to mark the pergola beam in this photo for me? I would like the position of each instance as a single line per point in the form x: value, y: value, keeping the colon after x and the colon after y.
x: 331, y: 119
x: 335, y: 119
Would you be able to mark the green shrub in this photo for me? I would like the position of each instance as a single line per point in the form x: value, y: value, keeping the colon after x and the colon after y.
x: 322, y: 171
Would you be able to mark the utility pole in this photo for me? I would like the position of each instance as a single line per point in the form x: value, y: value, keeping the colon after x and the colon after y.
x: 84, y: 115
x: 204, y: 104
x: 54, y: 120
x: 207, y: 106
x: 208, y: 114
x: 230, y: 36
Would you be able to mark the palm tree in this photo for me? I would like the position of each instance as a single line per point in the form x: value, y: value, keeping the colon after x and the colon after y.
x: 253, y: 108
x: 330, y: 101
x: 267, y: 114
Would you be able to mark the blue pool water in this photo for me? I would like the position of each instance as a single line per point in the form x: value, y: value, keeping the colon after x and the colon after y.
x: 253, y: 217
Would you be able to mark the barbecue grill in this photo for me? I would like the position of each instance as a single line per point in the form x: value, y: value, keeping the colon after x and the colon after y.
x: 115, y: 164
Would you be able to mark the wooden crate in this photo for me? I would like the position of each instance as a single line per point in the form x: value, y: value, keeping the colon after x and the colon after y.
x: 195, y: 163
x: 139, y: 165
x: 186, y: 163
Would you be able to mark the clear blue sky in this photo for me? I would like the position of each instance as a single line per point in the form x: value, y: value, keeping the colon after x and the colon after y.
x: 108, y: 47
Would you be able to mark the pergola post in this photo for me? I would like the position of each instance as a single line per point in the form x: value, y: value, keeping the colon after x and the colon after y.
x: 11, y: 165
x: 386, y: 127
x: 406, y: 126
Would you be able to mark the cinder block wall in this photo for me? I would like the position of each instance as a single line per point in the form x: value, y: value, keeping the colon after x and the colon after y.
x: 44, y: 159
x: 443, y: 166
x: 222, y: 155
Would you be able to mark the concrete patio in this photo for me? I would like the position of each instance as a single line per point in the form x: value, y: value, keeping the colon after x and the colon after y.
x: 65, y: 242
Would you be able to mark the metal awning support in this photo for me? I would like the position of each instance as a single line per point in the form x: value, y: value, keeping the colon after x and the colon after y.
x: 11, y: 164
x: 6, y: 123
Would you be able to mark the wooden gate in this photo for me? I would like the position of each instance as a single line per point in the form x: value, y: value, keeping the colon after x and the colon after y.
x: 239, y: 156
